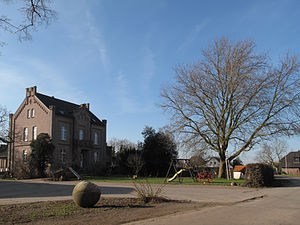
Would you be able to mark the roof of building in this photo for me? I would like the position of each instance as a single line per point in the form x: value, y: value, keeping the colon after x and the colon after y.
x: 64, y: 108
x: 239, y: 168
x: 3, y: 151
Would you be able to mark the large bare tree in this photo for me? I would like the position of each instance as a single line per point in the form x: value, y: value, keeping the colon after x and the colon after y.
x: 234, y: 98
x: 34, y: 13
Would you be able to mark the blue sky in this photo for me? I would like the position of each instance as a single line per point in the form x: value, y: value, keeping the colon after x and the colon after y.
x: 118, y: 54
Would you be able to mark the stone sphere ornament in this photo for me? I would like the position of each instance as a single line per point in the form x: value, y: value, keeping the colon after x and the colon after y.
x: 86, y: 194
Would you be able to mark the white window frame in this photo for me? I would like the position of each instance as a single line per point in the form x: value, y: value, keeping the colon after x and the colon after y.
x: 34, y: 132
x: 81, y: 134
x: 63, y: 133
x: 25, y: 134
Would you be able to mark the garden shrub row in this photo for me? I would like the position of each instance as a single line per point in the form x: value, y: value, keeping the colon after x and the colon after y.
x: 259, y: 175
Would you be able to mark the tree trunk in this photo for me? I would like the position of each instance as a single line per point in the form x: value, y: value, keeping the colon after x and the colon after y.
x: 222, y: 169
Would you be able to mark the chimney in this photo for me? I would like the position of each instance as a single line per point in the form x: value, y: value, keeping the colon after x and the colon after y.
x: 31, y: 91
x: 86, y: 105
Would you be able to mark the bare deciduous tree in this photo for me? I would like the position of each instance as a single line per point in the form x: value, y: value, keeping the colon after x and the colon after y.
x: 135, y: 162
x: 35, y: 13
x: 234, y: 98
x: 272, y: 153
x: 116, y: 144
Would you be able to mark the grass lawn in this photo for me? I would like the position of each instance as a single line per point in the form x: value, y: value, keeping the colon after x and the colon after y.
x: 160, y: 180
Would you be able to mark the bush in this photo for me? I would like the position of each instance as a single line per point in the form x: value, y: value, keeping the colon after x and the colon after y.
x: 259, y: 175
x: 148, y: 192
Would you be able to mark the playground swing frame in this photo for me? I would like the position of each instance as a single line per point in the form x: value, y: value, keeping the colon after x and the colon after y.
x: 178, y: 172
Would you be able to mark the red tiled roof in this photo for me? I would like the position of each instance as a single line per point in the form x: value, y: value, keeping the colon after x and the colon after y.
x: 238, y: 168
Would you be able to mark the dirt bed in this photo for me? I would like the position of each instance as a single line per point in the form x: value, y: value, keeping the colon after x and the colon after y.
x: 108, y: 211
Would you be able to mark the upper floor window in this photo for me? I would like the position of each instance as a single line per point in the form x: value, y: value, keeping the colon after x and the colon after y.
x: 34, y: 133
x: 25, y: 156
x: 63, y: 133
x: 81, y: 134
x: 63, y: 156
x: 296, y: 159
x: 25, y: 134
x: 32, y: 113
x: 28, y: 113
x: 96, y: 137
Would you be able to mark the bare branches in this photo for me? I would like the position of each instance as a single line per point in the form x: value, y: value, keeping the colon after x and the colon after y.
x: 35, y: 13
x: 234, y: 96
x: 3, y: 124
x: 273, y: 152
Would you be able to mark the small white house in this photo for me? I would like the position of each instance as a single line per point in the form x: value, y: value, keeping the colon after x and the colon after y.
x: 238, y: 172
x: 213, y: 162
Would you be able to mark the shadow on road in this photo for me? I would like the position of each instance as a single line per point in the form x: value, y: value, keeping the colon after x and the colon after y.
x: 287, y: 181
x: 15, y: 189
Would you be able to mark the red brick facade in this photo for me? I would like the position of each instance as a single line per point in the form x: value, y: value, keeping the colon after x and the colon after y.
x: 78, y: 135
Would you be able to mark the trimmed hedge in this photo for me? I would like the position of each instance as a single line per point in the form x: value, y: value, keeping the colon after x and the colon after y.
x: 259, y: 175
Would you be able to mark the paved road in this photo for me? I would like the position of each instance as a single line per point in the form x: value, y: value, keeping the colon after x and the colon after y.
x: 43, y: 190
x: 250, y: 206
x: 278, y: 206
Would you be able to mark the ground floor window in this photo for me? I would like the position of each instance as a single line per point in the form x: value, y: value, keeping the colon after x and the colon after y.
x: 25, y: 155
x: 63, y: 156
x: 96, y: 155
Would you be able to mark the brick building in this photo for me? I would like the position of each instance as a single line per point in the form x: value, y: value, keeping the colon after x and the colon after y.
x: 290, y: 164
x: 78, y: 135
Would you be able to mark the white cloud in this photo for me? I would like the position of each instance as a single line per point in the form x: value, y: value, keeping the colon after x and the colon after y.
x: 97, y: 39
x: 193, y: 35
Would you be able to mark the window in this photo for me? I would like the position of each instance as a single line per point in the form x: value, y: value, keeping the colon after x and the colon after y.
x: 34, y: 133
x: 96, y: 136
x: 63, y: 133
x: 95, y: 156
x: 81, y: 134
x: 25, y: 155
x: 296, y: 159
x: 28, y: 113
x: 63, y: 156
x: 25, y: 134
x: 32, y: 113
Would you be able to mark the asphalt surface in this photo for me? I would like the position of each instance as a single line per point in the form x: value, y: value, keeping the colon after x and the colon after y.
x: 248, y: 206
